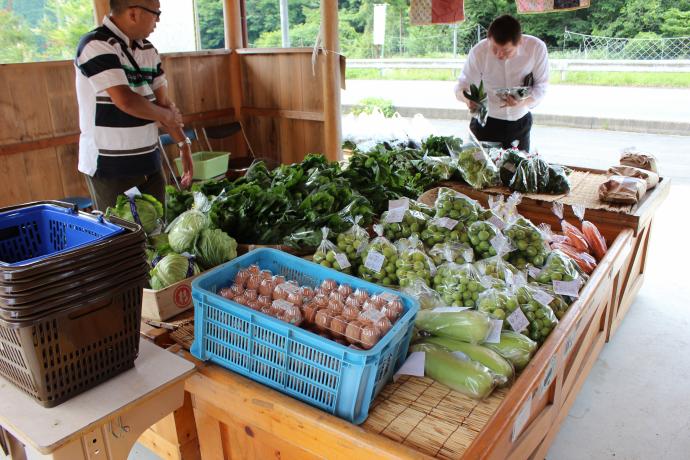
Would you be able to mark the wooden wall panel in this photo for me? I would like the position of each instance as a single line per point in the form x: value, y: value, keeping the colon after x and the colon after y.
x: 73, y: 182
x: 16, y: 189
x: 44, y: 175
x: 62, y: 99
x: 29, y: 96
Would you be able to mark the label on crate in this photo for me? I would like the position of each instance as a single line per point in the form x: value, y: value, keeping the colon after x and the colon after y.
x: 494, y: 219
x: 342, y: 260
x: 522, y: 418
x: 543, y: 297
x: 413, y: 365
x: 446, y: 222
x: 133, y: 193
x: 534, y: 271
x: 395, y: 216
x: 549, y: 375
x: 374, y: 261
x: 518, y: 321
x: 402, y: 203
x: 569, y: 288
x: 495, y: 331
x: 449, y: 309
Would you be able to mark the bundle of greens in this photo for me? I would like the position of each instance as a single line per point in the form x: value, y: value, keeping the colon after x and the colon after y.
x: 478, y: 95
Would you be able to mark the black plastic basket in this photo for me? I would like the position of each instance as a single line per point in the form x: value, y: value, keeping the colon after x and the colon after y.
x: 57, y: 356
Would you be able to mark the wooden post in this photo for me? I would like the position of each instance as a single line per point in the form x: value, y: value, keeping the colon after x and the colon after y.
x: 101, y: 8
x: 331, y: 79
x: 232, y: 14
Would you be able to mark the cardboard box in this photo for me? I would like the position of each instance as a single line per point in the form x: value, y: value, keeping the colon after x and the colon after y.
x: 166, y: 303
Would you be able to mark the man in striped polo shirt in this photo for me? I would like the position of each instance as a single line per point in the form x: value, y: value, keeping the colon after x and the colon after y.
x: 122, y: 94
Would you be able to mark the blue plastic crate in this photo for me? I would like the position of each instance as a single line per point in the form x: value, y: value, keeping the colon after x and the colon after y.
x: 335, y: 378
x: 34, y: 233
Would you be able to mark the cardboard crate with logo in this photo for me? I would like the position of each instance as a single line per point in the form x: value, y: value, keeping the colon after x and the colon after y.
x: 165, y: 303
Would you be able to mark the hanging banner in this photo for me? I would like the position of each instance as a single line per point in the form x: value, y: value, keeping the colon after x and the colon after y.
x: 425, y: 12
x: 380, y: 23
x: 549, y: 6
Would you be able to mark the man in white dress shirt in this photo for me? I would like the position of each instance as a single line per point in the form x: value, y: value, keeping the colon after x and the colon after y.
x: 505, y: 59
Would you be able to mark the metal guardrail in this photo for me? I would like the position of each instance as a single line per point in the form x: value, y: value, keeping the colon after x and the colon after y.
x: 561, y: 65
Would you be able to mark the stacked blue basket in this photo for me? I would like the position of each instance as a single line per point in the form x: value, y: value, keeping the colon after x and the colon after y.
x: 338, y: 379
x: 70, y: 298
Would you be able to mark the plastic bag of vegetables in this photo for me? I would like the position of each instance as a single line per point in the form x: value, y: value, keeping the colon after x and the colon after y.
x: 531, y: 176
x: 478, y: 95
x: 543, y: 293
x: 487, y: 240
x: 459, y: 285
x: 469, y: 326
x: 420, y: 290
x: 185, y: 229
x: 541, y: 317
x: 413, y: 263
x: 444, y: 229
x: 214, y: 247
x: 143, y: 209
x: 498, y: 303
x: 402, y: 223
x: 476, y: 168
x: 558, y: 267
x: 378, y: 260
x: 171, y: 269
x: 498, y: 268
x: 451, y: 251
x: 507, y: 161
x: 525, y: 237
x: 456, y: 371
x: 327, y: 255
x: 518, y: 349
x: 454, y: 205
x: 353, y: 241
x: 440, y: 168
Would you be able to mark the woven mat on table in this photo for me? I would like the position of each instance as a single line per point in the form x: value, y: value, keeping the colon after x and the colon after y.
x: 429, y: 417
x: 184, y: 335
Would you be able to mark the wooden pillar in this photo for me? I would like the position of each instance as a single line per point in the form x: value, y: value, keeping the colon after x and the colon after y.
x: 331, y: 79
x: 232, y: 14
x: 100, y: 8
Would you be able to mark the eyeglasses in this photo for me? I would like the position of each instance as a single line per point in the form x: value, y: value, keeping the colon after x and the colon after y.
x: 154, y: 12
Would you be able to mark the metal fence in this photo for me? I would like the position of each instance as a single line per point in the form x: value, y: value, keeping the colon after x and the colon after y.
x: 595, y: 47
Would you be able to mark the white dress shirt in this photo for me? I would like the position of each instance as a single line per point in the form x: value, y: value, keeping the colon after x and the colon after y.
x: 481, y: 64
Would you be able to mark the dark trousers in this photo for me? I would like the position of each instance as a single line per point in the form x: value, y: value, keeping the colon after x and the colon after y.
x: 504, y: 131
x: 104, y: 190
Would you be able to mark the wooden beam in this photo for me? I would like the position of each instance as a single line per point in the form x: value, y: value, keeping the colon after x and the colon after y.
x: 232, y: 13
x: 101, y: 8
x: 331, y: 79
x: 280, y: 113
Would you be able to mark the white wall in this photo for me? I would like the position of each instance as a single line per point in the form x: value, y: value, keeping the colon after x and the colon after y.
x: 176, y: 29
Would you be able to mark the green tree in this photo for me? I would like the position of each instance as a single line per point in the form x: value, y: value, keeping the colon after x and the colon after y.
x: 676, y: 23
x: 63, y: 24
x: 211, y: 25
x: 17, y: 43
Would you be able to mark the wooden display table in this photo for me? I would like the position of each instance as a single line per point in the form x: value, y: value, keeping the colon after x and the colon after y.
x: 102, y: 423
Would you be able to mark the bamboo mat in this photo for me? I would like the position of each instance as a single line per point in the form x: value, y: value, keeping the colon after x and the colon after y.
x: 429, y: 417
x: 184, y: 335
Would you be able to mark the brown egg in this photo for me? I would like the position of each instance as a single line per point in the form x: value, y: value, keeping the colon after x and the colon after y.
x: 253, y: 304
x: 335, y: 307
x: 383, y: 325
x: 394, y: 310
x: 335, y: 295
x: 295, y: 298
x: 227, y: 293
x: 351, y: 313
x: 241, y: 299
x: 321, y: 300
x: 279, y: 293
x: 370, y: 305
x: 264, y: 300
x: 292, y: 315
x: 266, y: 274
x: 241, y: 277
x: 345, y: 290
x: 266, y: 287
x: 251, y: 294
x: 237, y: 289
x: 278, y: 279
x: 339, y: 326
x: 361, y: 295
x: 378, y: 301
x: 353, y: 331
x: 352, y: 302
x: 254, y: 282
x: 270, y: 311
x: 329, y: 285
x: 322, y: 320
x: 254, y: 269
x: 309, y: 312
x: 307, y: 292
x: 369, y: 336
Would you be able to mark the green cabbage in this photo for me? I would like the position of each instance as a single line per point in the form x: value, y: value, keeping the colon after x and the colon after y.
x: 215, y: 247
x: 149, y: 211
x: 171, y: 269
x: 184, y: 231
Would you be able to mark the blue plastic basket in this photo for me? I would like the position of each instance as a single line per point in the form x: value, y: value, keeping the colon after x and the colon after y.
x: 335, y: 378
x: 34, y: 233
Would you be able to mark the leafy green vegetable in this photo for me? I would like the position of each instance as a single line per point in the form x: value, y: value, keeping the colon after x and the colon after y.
x: 184, y: 231
x: 144, y: 210
x: 171, y: 269
x: 215, y: 247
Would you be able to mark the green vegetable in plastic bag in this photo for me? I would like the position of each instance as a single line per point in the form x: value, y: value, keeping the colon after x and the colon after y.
x: 215, y: 247
x: 518, y: 349
x: 558, y: 180
x: 531, y: 176
x: 144, y: 210
x: 476, y: 168
x: 184, y: 231
x: 171, y: 269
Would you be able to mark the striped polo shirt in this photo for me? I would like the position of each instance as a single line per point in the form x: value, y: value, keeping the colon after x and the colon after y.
x: 112, y: 142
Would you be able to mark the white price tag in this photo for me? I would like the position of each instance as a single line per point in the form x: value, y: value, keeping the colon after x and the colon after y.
x: 342, y: 260
x: 395, y: 216
x: 133, y: 193
x: 522, y: 418
x: 446, y: 222
x: 508, y: 275
x: 414, y: 365
x: 494, y: 219
x: 495, y: 332
x: 543, y: 297
x: 569, y: 288
x: 500, y: 243
x: 534, y: 272
x: 449, y: 309
x: 468, y: 255
x: 374, y: 261
x: 518, y: 321
x: 403, y: 203
x: 478, y: 155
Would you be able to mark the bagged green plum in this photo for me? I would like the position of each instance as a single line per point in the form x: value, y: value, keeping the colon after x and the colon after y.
x: 413, y: 263
x: 459, y: 285
x: 543, y: 293
x: 451, y: 251
x: 443, y: 229
x: 428, y: 298
x: 527, y: 241
x: 487, y: 240
x: 421, y: 207
x: 456, y: 371
x: 378, y: 260
x: 403, y: 223
x: 469, y: 326
x: 353, y: 241
x: 497, y: 268
x: 518, y: 349
x: 454, y: 205
x: 541, y: 319
x: 498, y: 303
x: 476, y: 168
x: 558, y: 267
x: 327, y: 255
